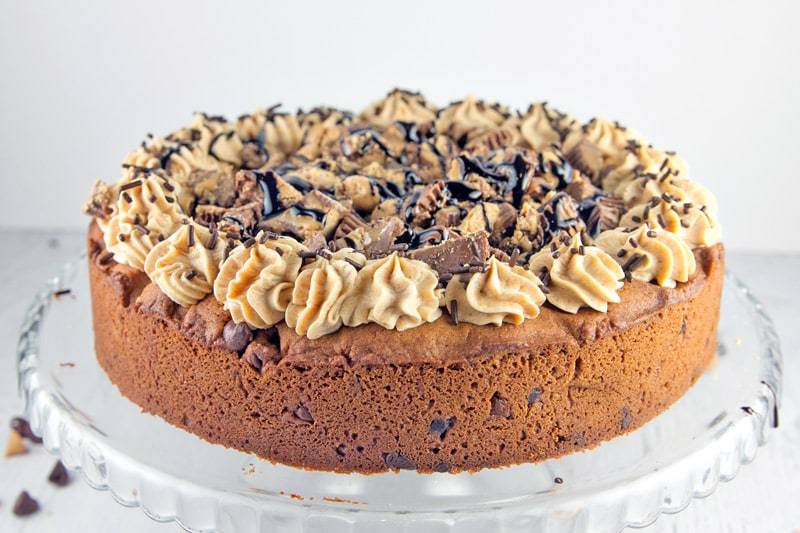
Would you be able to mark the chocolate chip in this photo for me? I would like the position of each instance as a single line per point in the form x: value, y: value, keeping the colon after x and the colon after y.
x: 303, y: 414
x: 501, y: 407
x: 236, y: 336
x: 442, y: 467
x: 398, y: 460
x: 626, y: 418
x: 21, y: 426
x: 534, y: 395
x: 59, y: 476
x: 25, y: 505
x: 440, y: 426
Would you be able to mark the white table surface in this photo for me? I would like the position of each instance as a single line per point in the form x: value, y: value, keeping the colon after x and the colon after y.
x: 764, y: 496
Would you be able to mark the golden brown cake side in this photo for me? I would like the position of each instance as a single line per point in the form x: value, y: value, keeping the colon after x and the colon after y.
x: 439, y: 397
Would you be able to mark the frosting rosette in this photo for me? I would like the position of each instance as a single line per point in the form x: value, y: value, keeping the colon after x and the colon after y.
x: 502, y: 293
x: 185, y: 264
x: 395, y: 292
x: 610, y: 138
x: 640, y: 160
x: 399, y: 106
x: 461, y: 118
x: 256, y: 280
x: 320, y: 291
x: 647, y: 254
x: 697, y: 226
x: 578, y: 276
x: 681, y: 191
x: 147, y: 210
x: 541, y: 126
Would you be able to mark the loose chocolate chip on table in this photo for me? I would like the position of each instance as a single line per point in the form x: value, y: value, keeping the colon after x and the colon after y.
x: 21, y: 426
x: 25, y: 505
x: 59, y: 476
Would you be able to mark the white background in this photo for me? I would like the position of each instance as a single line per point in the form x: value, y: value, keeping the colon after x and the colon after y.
x: 83, y: 82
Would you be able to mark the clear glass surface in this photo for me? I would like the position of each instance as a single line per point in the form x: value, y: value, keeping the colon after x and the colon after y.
x: 173, y: 475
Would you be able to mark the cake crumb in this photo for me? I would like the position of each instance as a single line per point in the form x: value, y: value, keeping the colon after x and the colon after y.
x: 738, y: 340
x: 15, y: 445
x: 67, y: 364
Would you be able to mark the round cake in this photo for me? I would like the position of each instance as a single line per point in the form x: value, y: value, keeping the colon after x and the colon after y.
x: 412, y: 287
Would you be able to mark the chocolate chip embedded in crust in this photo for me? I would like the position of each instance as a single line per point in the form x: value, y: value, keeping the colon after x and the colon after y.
x: 534, y: 395
x: 625, y: 423
x: 440, y: 426
x: 442, y: 467
x: 25, y: 505
x: 21, y: 426
x: 398, y: 460
x: 58, y: 476
x: 236, y: 336
x: 303, y: 414
x: 501, y: 407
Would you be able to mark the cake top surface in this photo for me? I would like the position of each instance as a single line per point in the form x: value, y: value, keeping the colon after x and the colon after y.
x: 325, y: 218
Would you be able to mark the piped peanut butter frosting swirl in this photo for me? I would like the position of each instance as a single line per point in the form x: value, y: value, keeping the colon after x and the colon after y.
x: 696, y: 225
x: 503, y: 293
x: 541, y: 126
x: 399, y: 106
x: 146, y: 211
x: 185, y: 265
x: 395, y: 292
x: 643, y: 189
x: 460, y: 118
x: 611, y: 138
x: 578, y: 276
x: 320, y: 291
x: 647, y: 254
x: 643, y: 161
x: 256, y: 280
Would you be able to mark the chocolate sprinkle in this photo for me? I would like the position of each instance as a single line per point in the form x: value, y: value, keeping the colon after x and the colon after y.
x: 558, y: 480
x: 621, y: 252
x: 127, y: 197
x: 652, y: 234
x: 130, y: 185
x: 279, y: 251
x: 62, y: 292
x: 143, y: 229
x: 454, y: 311
x: 190, y: 237
x: 212, y: 241
x: 661, y: 221
x: 191, y: 274
x: 353, y: 262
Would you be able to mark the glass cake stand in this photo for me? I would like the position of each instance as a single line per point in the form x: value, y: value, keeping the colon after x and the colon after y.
x: 173, y: 475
